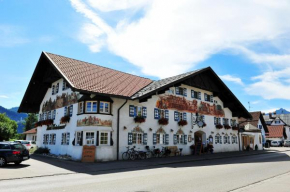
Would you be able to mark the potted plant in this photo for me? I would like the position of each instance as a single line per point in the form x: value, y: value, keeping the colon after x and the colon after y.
x: 219, y: 126
x: 47, y: 122
x: 227, y: 126
x: 139, y: 119
x: 210, y: 148
x: 192, y: 147
x: 182, y: 122
x: 64, y: 119
x: 163, y: 121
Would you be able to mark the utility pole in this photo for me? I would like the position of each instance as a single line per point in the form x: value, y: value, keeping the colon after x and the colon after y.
x: 249, y: 106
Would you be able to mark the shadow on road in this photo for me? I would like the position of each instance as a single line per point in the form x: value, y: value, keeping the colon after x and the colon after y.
x: 171, y: 162
x: 13, y: 166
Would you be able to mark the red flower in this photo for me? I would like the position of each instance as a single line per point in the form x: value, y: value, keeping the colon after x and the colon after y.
x: 182, y: 122
x: 163, y: 121
x: 139, y: 119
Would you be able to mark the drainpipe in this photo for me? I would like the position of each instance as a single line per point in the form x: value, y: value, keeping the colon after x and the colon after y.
x: 118, y: 128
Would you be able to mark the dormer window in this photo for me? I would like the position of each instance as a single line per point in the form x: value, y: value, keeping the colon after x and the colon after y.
x: 104, y: 107
x: 91, y: 106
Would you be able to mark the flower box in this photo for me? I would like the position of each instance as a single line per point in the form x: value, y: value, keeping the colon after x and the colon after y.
x: 64, y: 119
x: 163, y: 121
x: 219, y: 126
x: 44, y: 122
x: 227, y: 126
x: 139, y: 119
x: 235, y: 128
x: 182, y: 122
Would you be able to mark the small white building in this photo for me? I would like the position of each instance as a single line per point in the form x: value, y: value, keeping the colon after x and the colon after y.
x: 85, y: 104
x: 31, y: 135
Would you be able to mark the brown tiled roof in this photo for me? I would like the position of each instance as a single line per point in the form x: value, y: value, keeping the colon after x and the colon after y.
x: 255, y: 120
x: 94, y: 78
x: 31, y: 131
x: 275, y: 131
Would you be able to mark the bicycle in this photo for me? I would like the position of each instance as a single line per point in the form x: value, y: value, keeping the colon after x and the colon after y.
x: 126, y: 155
x: 137, y: 155
x: 165, y: 152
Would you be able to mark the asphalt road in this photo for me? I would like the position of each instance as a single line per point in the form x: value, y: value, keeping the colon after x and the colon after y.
x: 264, y: 172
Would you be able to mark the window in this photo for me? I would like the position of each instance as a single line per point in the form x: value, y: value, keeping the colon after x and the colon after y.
x: 91, y: 106
x: 234, y: 139
x: 81, y: 108
x: 137, y: 138
x: 104, y: 138
x: 45, y: 139
x: 104, y: 107
x: 195, y: 94
x: 217, y: 120
x: 233, y: 122
x: 64, y: 85
x: 52, y: 91
x: 260, y: 126
x: 53, y: 114
x: 225, y: 121
x: 181, y: 91
x: 218, y: 139
x: 70, y: 110
x: 160, y: 113
x: 56, y: 88
x: 189, y: 138
x: 208, y: 97
x: 49, y: 115
x: 52, y: 139
x: 179, y: 116
x: 277, y: 121
x: 65, y: 137
x: 44, y: 116
x: 180, y: 139
x: 90, y: 138
x: 160, y: 138
x: 78, y: 138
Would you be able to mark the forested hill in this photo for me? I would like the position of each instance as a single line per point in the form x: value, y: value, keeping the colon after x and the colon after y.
x: 18, y: 117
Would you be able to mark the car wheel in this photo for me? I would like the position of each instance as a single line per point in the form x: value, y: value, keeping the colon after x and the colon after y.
x: 2, y: 161
x: 17, y: 162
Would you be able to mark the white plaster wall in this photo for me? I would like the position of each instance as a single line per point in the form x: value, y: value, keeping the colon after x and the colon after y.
x: 29, y: 136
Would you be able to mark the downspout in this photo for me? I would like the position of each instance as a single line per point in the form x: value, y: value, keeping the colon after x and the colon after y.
x: 118, y: 128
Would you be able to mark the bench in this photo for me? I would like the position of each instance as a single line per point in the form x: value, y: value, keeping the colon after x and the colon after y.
x: 174, y: 150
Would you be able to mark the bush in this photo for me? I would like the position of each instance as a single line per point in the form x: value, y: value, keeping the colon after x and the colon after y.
x: 42, y: 150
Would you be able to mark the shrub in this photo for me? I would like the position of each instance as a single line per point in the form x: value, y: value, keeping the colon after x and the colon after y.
x: 42, y: 150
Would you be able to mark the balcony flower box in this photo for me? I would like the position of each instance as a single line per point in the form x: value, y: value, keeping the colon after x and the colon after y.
x: 163, y: 121
x: 64, y: 119
x: 235, y: 128
x: 44, y: 122
x: 219, y: 126
x: 227, y: 126
x: 182, y: 122
x: 139, y: 119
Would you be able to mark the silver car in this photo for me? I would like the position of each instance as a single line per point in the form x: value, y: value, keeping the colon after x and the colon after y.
x: 286, y: 143
x: 275, y: 144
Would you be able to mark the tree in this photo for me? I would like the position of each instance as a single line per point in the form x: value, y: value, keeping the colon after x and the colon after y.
x: 30, y: 120
x: 8, y: 127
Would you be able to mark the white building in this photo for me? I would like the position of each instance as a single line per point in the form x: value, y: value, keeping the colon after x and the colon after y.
x: 84, y: 104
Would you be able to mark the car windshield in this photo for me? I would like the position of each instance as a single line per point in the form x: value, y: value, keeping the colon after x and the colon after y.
x: 25, y: 142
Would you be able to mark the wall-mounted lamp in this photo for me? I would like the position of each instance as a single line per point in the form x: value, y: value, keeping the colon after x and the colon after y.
x: 150, y: 129
x: 212, y: 132
x: 223, y: 133
x: 125, y: 127
x: 171, y: 130
x: 190, y: 131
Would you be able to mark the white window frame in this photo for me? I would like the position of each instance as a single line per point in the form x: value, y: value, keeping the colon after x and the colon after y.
x: 180, y: 140
x: 104, y: 104
x: 108, y: 138
x: 93, y: 139
x: 92, y: 102
x: 63, y: 139
x: 53, y: 139
x: 139, y: 111
x: 161, y: 138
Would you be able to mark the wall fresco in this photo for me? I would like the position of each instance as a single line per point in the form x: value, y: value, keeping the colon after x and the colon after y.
x: 60, y: 101
x: 182, y: 104
x: 94, y: 121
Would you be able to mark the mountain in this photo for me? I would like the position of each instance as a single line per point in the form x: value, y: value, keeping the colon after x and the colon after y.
x: 282, y: 111
x: 18, y: 117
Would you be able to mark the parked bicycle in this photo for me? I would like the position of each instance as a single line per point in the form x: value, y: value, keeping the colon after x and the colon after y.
x: 126, y: 155
x: 137, y: 155
x: 165, y: 152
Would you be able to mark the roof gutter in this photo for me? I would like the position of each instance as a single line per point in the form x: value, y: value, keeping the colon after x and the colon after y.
x: 118, y: 128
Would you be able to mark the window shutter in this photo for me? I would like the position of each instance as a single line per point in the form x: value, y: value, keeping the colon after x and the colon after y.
x: 56, y: 88
x: 199, y: 95
x: 65, y: 110
x: 184, y: 117
x: 203, y: 118
x: 166, y: 139
x: 205, y: 96
x: 231, y: 122
x: 67, y: 138
x: 43, y: 139
x: 185, y: 139
x: 53, y: 116
x: 97, y: 139
x: 192, y: 93
x: 176, y: 116
x: 175, y: 139
x: 229, y: 140
x: 184, y: 92
x: 177, y: 90
x: 144, y: 111
x: 111, y: 139
x: 211, y: 98
x: 156, y: 113
x: 154, y: 139
x: 166, y: 114
x: 63, y: 85
x: 215, y: 120
x: 130, y: 138
x: 62, y: 138
x: 216, y: 139
x: 52, y: 90
x: 49, y: 138
x: 70, y: 110
x: 131, y: 110
x: 221, y: 140
x: 81, y: 142
x: 145, y: 139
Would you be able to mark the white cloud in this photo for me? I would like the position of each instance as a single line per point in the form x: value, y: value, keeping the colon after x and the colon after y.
x: 174, y: 36
x: 11, y: 36
x: 4, y: 97
x: 236, y: 80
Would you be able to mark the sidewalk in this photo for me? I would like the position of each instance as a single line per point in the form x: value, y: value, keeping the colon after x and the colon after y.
x: 40, y: 166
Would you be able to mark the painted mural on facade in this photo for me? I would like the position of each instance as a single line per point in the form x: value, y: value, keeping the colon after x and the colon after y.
x: 60, y: 101
x: 182, y: 104
x: 94, y: 121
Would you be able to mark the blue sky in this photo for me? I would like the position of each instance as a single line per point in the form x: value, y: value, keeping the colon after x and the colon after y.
x: 154, y: 39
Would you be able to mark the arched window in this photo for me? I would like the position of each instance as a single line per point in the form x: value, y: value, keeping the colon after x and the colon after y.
x: 218, y: 139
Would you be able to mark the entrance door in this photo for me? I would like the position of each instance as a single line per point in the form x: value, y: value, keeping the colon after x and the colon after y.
x: 246, y: 142
x: 199, y: 141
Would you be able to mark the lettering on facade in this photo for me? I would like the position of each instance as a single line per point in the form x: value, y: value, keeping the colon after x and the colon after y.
x: 88, y: 155
x: 182, y: 104
x: 60, y: 101
x: 94, y: 121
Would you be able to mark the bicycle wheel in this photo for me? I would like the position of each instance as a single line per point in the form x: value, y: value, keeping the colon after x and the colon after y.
x: 142, y: 155
x: 133, y: 156
x: 125, y: 156
x: 149, y: 154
